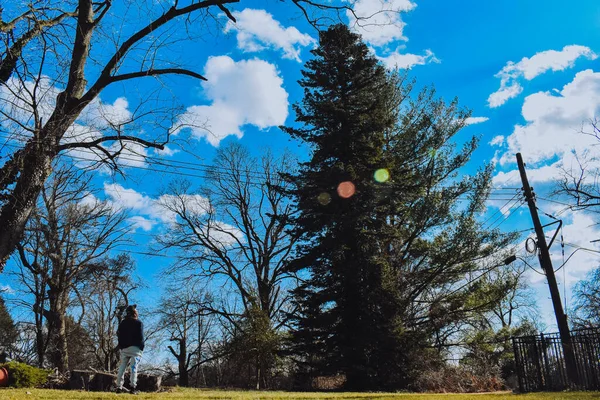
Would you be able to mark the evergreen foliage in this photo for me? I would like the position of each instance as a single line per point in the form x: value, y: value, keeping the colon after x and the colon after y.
x: 385, y: 266
x: 21, y: 375
x: 8, y: 330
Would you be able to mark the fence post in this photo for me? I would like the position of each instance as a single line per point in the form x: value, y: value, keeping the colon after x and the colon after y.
x: 518, y: 365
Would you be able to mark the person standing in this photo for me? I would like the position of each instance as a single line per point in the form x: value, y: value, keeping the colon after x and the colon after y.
x: 131, y: 343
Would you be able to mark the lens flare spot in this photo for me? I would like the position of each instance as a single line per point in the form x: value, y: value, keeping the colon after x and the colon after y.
x: 324, y: 198
x: 346, y: 189
x: 382, y: 175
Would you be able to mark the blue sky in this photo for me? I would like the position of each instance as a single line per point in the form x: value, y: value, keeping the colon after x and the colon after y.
x: 541, y: 54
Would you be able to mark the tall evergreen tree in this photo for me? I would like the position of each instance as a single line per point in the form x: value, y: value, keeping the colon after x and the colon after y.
x: 346, y: 112
x: 384, y: 260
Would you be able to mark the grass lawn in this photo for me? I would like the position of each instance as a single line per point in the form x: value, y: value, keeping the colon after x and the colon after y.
x: 185, y: 394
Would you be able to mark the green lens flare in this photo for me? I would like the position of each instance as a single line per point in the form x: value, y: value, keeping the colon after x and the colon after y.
x: 324, y: 198
x: 382, y: 175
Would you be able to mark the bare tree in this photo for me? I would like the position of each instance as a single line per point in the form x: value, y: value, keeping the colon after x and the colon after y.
x: 56, y: 59
x: 106, y: 295
x: 68, y: 233
x: 580, y: 182
x: 184, y: 320
x: 586, y: 296
x: 233, y: 232
x: 514, y: 305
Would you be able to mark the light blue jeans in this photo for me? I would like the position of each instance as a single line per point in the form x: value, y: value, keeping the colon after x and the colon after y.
x: 129, y: 356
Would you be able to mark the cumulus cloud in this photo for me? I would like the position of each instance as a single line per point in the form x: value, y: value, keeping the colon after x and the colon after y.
x: 475, y: 120
x: 506, y: 92
x: 544, y: 174
x: 497, y: 140
x: 554, y: 121
x: 379, y: 21
x: 96, y: 120
x: 257, y: 30
x: 242, y: 93
x: 142, y: 223
x: 149, y: 211
x: 550, y: 140
x: 407, y: 60
x: 529, y: 68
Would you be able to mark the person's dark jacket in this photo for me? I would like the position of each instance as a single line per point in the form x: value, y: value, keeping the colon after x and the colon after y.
x: 131, y: 333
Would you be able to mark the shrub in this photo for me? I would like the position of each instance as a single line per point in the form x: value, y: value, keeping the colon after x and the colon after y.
x: 457, y: 379
x: 335, y: 382
x: 21, y: 375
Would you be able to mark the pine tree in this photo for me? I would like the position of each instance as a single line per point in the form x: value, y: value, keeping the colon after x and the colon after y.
x: 346, y: 113
x: 383, y: 265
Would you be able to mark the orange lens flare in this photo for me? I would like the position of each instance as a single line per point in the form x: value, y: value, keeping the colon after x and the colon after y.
x: 346, y: 189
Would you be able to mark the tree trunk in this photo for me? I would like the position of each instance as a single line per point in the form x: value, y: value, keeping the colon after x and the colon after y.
x: 40, y: 338
x: 183, y: 371
x: 30, y: 170
x: 34, y: 168
x: 258, y: 373
x: 40, y: 347
x: 57, y: 330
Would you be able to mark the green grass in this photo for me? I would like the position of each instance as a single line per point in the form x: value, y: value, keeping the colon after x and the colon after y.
x: 185, y: 394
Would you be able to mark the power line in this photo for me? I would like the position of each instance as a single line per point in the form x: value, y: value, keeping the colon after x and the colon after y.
x: 499, y: 210
x: 207, y: 168
x: 502, y: 218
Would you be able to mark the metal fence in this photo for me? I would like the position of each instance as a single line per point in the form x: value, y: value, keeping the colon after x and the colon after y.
x: 541, y: 366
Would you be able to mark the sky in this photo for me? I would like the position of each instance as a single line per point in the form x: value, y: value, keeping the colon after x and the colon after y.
x: 528, y: 69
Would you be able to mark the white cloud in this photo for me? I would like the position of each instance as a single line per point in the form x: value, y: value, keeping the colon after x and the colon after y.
x: 551, y: 137
x: 475, y: 120
x: 242, y: 93
x: 142, y: 223
x: 96, y: 120
x: 6, y: 289
x: 124, y: 198
x: 405, y: 61
x: 505, y: 93
x: 195, y: 205
x: 380, y: 21
x: 257, y: 30
x: 104, y: 115
x: 166, y: 152
x: 544, y: 174
x: 149, y: 211
x: 497, y: 140
x: 578, y: 231
x: 17, y: 96
x: 529, y: 68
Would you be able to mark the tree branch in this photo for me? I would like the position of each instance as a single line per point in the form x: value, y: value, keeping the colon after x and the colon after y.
x: 95, y: 143
x: 105, y: 77
x: 155, y: 72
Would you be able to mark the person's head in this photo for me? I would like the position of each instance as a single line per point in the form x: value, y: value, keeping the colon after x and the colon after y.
x: 131, y: 311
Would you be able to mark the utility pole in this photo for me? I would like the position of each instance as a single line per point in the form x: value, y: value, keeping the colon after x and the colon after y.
x: 546, y: 264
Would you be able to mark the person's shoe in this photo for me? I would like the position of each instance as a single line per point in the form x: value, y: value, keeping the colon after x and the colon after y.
x: 121, y: 390
x: 134, y: 391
